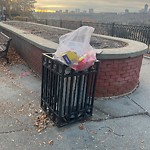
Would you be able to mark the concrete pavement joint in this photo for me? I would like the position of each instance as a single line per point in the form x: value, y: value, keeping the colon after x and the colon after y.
x: 13, y: 131
x: 136, y: 103
x: 148, y: 114
x: 116, y: 117
x: 102, y: 111
x: 20, y: 123
x: 109, y: 116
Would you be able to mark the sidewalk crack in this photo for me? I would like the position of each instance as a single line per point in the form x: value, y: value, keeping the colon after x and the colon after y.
x: 13, y: 131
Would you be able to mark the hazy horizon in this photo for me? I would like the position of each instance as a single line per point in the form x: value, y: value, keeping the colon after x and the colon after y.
x: 97, y: 5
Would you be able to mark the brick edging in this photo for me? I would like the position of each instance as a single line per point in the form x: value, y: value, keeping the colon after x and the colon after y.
x: 117, y: 77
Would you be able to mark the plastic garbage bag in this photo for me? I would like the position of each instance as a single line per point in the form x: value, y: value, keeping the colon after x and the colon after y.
x: 74, y: 49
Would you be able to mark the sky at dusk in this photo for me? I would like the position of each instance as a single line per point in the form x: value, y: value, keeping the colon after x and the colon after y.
x: 97, y: 5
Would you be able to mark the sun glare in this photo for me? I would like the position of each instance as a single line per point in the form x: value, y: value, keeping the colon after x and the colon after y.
x: 52, y: 6
x: 45, y: 10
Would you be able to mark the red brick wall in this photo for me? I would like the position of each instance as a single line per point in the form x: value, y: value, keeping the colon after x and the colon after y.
x: 117, y: 77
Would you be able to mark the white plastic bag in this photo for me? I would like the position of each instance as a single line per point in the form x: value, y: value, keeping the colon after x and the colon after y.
x: 75, y: 50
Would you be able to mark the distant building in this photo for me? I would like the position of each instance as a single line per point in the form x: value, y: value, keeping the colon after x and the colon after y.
x: 59, y: 11
x: 126, y: 11
x: 66, y: 11
x: 91, y: 11
x: 84, y: 11
x: 72, y: 12
x: 146, y: 8
x: 77, y: 11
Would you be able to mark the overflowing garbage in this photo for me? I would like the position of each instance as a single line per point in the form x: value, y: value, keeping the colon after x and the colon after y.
x: 75, y: 50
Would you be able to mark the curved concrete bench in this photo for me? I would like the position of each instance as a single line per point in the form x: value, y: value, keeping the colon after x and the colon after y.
x: 119, y: 67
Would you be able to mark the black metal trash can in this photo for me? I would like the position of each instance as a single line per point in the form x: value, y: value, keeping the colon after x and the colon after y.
x: 67, y: 95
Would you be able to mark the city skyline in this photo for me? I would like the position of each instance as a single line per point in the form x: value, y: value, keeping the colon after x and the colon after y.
x: 97, y: 5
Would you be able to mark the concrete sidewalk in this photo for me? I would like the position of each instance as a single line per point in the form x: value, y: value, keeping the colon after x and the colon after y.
x: 117, y: 124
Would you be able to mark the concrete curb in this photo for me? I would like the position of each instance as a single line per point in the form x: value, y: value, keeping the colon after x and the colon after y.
x: 132, y: 49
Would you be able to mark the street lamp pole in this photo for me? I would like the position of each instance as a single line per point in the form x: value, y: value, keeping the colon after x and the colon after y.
x: 2, y: 12
x: 2, y: 9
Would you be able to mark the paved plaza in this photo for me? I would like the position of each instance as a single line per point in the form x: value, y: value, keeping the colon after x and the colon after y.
x: 117, y: 124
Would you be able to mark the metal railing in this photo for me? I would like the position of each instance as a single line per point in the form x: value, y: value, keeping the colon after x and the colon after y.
x: 138, y: 33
